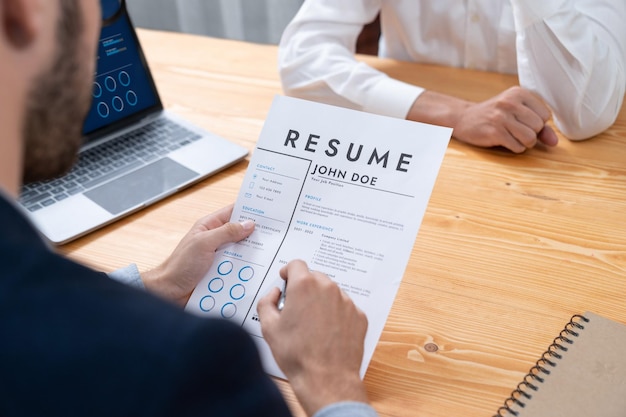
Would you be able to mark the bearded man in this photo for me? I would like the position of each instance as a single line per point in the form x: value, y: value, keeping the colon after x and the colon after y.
x: 73, y: 341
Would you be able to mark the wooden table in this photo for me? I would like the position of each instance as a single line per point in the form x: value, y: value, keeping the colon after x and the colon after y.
x: 511, y: 245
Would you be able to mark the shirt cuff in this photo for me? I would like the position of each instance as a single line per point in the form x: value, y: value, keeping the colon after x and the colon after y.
x: 129, y: 276
x: 390, y: 97
x: 527, y: 12
x: 347, y: 409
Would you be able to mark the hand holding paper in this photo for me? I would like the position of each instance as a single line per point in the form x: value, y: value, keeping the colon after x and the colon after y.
x: 317, y: 339
x: 177, y: 277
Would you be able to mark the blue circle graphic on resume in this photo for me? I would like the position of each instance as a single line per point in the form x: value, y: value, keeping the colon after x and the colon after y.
x: 216, y: 285
x: 225, y: 288
x: 207, y: 303
x: 229, y: 310
x: 246, y: 273
x: 237, y: 292
x: 225, y: 268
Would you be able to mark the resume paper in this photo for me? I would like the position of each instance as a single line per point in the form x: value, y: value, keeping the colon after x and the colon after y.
x: 341, y: 189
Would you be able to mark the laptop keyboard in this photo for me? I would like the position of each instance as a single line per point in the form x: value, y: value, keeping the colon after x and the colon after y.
x: 109, y: 160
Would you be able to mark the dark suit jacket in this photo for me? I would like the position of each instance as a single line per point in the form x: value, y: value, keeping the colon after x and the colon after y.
x: 75, y: 343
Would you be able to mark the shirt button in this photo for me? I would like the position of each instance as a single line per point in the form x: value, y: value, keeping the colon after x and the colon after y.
x: 475, y: 18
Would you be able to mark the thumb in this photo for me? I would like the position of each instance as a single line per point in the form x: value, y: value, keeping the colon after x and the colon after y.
x: 548, y: 136
x: 228, y: 233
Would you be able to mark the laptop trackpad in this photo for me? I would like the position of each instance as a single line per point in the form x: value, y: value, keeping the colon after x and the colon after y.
x: 140, y: 186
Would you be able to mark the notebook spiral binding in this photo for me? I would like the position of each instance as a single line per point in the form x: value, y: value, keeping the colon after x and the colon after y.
x: 536, y: 376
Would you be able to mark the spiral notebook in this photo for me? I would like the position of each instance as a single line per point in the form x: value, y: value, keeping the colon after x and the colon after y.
x: 581, y: 374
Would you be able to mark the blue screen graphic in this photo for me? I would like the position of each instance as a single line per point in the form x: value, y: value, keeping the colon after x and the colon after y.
x: 122, y: 85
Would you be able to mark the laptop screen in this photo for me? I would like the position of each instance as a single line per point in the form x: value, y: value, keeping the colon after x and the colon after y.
x: 123, y: 86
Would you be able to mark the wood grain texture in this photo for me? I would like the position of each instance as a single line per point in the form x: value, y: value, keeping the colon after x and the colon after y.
x: 510, y: 247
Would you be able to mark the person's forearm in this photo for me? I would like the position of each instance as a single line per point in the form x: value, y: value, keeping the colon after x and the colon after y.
x: 515, y: 118
x: 438, y: 109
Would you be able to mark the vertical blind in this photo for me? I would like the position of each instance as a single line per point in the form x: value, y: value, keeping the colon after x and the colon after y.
x: 261, y: 21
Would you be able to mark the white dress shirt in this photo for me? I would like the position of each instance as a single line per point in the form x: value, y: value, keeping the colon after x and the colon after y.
x: 572, y: 53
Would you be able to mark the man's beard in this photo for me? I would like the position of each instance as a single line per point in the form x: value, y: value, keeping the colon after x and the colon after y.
x: 58, y: 103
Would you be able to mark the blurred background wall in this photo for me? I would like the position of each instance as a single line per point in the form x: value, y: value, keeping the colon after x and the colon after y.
x: 260, y: 21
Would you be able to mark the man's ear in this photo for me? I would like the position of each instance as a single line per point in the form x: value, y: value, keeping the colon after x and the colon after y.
x: 19, y: 20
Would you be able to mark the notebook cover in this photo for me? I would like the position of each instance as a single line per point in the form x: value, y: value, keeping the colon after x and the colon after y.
x: 589, y: 379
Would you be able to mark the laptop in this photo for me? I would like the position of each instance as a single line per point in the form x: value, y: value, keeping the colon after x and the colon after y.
x: 135, y: 153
